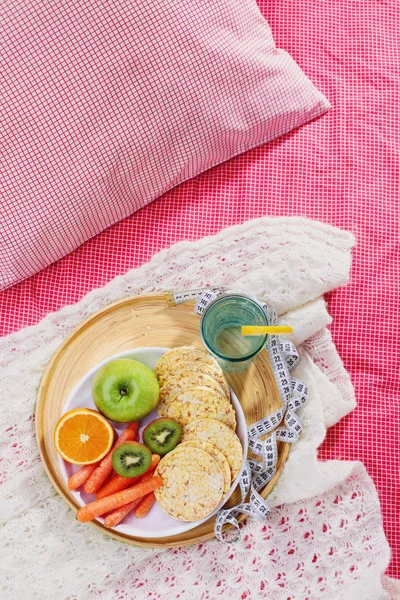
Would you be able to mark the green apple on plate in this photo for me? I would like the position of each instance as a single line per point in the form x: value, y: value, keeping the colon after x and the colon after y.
x: 125, y: 390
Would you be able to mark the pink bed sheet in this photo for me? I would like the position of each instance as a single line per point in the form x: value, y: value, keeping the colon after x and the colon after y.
x: 342, y: 169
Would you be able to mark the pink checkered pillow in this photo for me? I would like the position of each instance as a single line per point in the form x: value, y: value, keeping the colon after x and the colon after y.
x: 108, y: 104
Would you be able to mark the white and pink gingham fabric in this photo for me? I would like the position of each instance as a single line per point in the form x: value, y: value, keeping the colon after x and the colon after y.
x: 342, y: 169
x: 107, y: 105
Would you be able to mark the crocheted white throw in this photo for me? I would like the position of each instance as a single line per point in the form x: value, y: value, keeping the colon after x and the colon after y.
x: 324, y: 538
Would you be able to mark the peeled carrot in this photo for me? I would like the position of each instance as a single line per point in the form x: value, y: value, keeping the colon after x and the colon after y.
x: 99, y: 507
x: 144, y: 505
x: 117, y: 515
x: 104, y: 469
x: 118, y: 483
x: 81, y: 476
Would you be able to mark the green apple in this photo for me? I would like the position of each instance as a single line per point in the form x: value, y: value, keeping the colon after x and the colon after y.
x: 125, y: 390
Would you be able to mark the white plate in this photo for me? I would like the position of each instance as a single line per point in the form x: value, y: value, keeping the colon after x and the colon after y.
x: 157, y: 523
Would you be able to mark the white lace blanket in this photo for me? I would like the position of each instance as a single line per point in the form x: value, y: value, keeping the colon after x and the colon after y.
x: 325, y: 541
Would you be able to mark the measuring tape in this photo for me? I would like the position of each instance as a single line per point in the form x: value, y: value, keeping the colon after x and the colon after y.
x: 282, y: 425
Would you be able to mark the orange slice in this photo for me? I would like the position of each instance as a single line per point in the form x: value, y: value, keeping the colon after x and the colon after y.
x: 83, y: 436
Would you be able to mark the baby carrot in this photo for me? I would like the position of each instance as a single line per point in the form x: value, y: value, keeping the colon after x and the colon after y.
x: 118, y: 483
x: 144, y: 505
x: 117, y: 515
x: 104, y: 469
x: 81, y: 476
x: 99, y: 507
x: 149, y: 474
x: 133, y: 426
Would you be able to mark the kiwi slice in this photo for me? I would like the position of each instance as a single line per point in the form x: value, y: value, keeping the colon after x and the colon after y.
x: 131, y: 460
x: 162, y: 435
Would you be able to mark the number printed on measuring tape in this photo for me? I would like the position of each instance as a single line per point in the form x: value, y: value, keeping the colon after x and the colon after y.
x: 174, y: 298
x: 204, y: 300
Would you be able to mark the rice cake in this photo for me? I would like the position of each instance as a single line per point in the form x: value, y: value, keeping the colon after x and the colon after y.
x: 177, y: 356
x: 216, y: 455
x: 199, y: 402
x: 192, y: 484
x: 217, y: 433
x: 181, y: 379
x: 199, y: 367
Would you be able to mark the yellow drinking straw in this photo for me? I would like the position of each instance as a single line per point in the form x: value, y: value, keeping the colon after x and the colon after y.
x: 264, y: 329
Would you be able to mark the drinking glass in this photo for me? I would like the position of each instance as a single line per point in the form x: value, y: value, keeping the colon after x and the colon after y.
x: 221, y: 333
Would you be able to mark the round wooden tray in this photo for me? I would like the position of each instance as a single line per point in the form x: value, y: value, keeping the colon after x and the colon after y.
x: 131, y: 323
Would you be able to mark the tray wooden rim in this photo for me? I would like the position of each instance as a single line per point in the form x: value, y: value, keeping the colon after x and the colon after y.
x: 283, y: 450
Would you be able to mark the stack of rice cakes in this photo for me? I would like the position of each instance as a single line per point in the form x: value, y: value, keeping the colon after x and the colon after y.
x: 199, y: 472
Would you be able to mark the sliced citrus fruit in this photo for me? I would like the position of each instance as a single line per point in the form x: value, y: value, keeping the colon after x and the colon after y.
x: 83, y: 436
